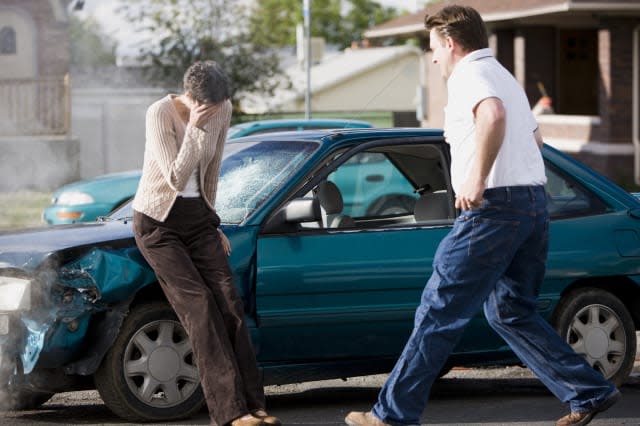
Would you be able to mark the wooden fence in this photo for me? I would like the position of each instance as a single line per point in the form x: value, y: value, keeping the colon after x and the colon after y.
x: 35, y: 107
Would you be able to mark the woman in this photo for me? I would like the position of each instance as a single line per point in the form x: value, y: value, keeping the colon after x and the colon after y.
x: 176, y: 229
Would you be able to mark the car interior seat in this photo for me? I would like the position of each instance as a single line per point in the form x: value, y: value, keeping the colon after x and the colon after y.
x: 331, y: 202
x: 433, y: 206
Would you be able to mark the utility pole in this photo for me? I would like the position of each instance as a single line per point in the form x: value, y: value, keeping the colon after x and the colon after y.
x: 306, y: 11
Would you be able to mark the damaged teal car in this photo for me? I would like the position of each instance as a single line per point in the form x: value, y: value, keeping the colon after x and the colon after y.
x: 329, y: 288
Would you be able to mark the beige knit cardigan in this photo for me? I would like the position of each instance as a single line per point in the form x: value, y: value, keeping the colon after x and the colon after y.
x: 172, y: 152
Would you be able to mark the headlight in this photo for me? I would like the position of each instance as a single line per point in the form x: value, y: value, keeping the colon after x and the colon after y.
x: 15, y: 294
x: 74, y: 198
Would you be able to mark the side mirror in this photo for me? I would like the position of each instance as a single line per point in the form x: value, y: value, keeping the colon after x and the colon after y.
x: 291, y: 215
x: 302, y: 210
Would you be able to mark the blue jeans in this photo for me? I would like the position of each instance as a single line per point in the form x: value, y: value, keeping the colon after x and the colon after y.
x: 494, y: 256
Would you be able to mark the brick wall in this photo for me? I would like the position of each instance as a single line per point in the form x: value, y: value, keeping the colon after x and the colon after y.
x: 616, y: 70
x: 618, y: 168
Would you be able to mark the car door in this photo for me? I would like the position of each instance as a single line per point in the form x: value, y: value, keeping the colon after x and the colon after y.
x: 331, y: 293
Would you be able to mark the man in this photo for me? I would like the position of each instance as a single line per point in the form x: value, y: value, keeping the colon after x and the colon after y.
x: 496, y: 252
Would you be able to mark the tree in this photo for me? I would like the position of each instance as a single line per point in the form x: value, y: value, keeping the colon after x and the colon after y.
x: 90, y: 46
x: 273, y: 22
x: 180, y: 32
x: 365, y: 14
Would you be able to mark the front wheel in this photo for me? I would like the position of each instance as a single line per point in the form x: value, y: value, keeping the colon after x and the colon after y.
x: 599, y: 327
x: 149, y: 374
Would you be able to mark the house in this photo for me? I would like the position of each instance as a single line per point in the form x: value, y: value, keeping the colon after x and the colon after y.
x: 37, y: 149
x: 583, y: 54
x: 357, y: 80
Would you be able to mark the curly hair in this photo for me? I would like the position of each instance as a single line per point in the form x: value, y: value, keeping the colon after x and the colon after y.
x: 206, y: 82
x: 462, y: 23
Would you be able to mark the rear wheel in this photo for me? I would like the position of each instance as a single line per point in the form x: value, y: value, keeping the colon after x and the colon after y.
x: 150, y: 373
x: 599, y: 327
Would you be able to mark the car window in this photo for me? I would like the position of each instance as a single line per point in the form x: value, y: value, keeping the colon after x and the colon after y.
x: 125, y: 211
x: 379, y: 187
x: 371, y: 185
x: 567, y: 198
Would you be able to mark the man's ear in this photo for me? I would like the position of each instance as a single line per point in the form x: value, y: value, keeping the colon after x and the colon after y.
x: 450, y: 43
x: 454, y: 47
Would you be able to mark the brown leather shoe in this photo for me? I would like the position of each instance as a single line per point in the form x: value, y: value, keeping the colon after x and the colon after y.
x: 581, y: 419
x: 267, y: 419
x: 575, y: 419
x: 247, y: 420
x: 357, y: 418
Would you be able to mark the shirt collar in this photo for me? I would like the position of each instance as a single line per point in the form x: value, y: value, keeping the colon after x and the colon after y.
x: 470, y: 57
x: 477, y: 54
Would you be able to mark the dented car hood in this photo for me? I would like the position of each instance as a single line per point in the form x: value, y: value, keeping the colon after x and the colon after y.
x: 27, y: 249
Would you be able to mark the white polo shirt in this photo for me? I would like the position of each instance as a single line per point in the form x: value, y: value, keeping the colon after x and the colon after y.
x: 476, y: 77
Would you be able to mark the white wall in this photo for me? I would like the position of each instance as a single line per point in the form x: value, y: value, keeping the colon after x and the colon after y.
x: 109, y: 124
x: 390, y: 86
x: 40, y: 163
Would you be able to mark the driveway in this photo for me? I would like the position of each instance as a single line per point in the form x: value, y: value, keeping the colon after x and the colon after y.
x: 466, y: 397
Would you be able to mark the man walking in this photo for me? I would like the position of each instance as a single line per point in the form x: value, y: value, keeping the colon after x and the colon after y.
x: 494, y: 257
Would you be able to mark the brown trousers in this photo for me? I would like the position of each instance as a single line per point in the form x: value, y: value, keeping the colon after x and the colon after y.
x: 186, y: 253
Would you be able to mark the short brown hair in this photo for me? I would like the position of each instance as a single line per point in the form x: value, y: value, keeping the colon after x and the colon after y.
x: 207, y: 82
x: 462, y: 23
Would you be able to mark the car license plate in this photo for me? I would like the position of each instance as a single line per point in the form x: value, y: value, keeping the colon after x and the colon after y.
x: 4, y: 324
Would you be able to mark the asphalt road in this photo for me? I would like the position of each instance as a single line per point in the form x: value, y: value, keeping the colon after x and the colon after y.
x: 489, y: 397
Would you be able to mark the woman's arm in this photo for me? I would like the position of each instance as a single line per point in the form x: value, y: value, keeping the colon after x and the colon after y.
x: 177, y: 165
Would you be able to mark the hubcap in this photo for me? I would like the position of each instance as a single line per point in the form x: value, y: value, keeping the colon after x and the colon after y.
x: 164, y: 364
x: 159, y: 366
x: 597, y: 334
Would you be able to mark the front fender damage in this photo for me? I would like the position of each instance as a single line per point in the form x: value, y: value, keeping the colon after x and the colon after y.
x: 80, y: 310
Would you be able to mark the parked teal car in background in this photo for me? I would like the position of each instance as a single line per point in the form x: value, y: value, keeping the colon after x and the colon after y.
x: 86, y: 200
x: 326, y: 294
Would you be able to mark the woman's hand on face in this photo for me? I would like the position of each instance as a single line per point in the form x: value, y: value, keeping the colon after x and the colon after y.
x: 226, y: 245
x: 200, y: 114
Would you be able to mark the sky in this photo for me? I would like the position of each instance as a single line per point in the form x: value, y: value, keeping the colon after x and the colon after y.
x: 103, y: 11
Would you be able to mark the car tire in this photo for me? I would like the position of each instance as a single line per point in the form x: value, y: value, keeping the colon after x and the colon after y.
x: 598, y: 326
x: 149, y: 374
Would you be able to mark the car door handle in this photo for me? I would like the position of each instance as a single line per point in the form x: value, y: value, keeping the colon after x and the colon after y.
x: 375, y: 178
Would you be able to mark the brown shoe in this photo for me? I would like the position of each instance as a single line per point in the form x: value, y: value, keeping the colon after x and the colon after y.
x: 357, y: 418
x: 581, y: 419
x: 267, y: 419
x: 247, y: 420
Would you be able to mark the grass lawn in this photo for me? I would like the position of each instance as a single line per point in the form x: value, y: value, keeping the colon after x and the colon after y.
x: 22, y: 209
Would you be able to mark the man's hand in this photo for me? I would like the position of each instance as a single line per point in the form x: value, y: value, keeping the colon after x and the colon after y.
x: 470, y: 195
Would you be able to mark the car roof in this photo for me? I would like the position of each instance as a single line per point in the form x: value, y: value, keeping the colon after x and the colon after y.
x: 286, y: 122
x: 329, y: 138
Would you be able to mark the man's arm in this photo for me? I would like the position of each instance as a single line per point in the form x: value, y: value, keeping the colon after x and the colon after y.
x: 490, y: 120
